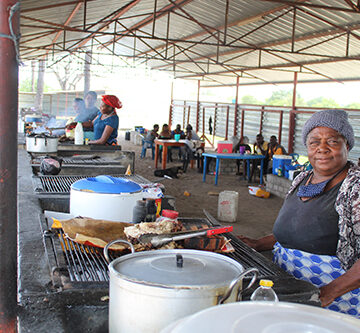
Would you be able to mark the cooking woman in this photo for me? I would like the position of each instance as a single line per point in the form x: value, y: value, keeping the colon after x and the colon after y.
x: 316, y: 236
x: 106, y: 123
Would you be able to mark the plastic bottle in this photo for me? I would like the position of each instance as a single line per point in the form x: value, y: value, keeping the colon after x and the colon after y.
x: 150, y: 210
x: 79, y: 134
x: 264, y: 292
x: 139, y: 211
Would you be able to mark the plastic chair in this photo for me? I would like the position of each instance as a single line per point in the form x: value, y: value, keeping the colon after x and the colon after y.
x: 147, y: 145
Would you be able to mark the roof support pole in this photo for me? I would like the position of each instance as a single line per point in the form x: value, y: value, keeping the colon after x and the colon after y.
x: 236, y: 106
x: 40, y: 86
x: 171, y: 110
x: 292, y: 119
x: 8, y: 169
x: 280, y: 126
x: 198, y: 107
x: 242, y: 123
x: 261, y: 119
x: 227, y: 123
x: 88, y: 57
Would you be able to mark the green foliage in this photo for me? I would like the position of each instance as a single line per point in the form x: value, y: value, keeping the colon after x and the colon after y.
x: 248, y: 99
x: 353, y: 106
x: 25, y: 86
x: 283, y: 98
x: 322, y: 102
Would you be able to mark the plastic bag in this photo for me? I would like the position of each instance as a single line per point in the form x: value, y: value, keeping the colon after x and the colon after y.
x: 51, y: 165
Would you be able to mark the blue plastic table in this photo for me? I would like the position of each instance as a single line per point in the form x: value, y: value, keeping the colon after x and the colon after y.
x: 246, y: 157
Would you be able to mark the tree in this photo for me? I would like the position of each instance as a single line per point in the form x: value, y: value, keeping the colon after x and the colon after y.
x: 353, y: 105
x: 26, y: 86
x: 249, y: 99
x: 284, y: 98
x: 322, y: 102
x: 68, y: 72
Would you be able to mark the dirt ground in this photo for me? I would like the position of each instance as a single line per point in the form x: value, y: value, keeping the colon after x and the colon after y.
x: 255, y: 217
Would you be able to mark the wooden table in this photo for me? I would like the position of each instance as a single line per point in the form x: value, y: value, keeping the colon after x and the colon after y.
x: 165, y: 144
x: 246, y: 157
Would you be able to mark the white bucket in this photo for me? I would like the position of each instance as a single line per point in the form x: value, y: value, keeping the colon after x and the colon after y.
x: 228, y: 206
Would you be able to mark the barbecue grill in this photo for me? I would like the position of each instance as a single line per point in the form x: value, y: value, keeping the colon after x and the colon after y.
x: 79, y: 266
x: 53, y: 192
x: 61, y: 184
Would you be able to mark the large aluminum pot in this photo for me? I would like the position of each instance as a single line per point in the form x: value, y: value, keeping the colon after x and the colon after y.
x: 41, y: 144
x: 269, y: 317
x: 105, y: 197
x: 151, y: 289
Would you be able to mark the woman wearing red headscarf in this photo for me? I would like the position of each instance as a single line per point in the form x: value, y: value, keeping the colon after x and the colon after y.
x: 106, y: 123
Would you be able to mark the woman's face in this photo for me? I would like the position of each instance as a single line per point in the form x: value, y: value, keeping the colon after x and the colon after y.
x: 105, y: 109
x: 327, y: 150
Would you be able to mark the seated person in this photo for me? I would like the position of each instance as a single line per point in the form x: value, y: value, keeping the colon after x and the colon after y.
x: 260, y: 145
x: 106, y: 123
x: 274, y: 148
x: 153, y: 134
x: 165, y: 132
x: 243, y: 142
x: 190, y: 134
x: 178, y: 130
x: 193, y: 148
x: 260, y: 148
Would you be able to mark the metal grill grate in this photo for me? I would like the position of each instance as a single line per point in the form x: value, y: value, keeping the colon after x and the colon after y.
x: 84, y: 263
x: 87, y: 263
x: 80, y: 161
x: 61, y: 184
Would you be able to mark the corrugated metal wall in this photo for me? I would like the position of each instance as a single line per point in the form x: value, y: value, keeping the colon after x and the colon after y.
x: 252, y: 121
x: 56, y: 103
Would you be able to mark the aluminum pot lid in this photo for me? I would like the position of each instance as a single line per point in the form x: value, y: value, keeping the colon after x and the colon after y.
x: 106, y: 184
x: 177, y: 268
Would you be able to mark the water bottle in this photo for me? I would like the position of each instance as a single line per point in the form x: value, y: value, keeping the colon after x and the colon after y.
x: 79, y: 134
x: 264, y: 292
x: 139, y: 211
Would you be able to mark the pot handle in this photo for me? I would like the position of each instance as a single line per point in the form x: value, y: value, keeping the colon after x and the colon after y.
x: 233, y: 283
x: 106, y: 248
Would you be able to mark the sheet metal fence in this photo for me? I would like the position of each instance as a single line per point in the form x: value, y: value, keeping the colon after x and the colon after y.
x: 254, y: 119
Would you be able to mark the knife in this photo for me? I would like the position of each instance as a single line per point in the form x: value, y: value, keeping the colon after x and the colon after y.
x: 159, y: 240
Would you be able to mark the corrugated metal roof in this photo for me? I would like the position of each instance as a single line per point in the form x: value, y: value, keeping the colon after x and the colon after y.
x: 196, y: 39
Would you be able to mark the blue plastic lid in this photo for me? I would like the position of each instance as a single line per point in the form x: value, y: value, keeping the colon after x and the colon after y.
x: 106, y: 184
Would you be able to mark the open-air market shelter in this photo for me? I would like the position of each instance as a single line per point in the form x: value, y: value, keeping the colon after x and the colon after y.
x: 218, y: 43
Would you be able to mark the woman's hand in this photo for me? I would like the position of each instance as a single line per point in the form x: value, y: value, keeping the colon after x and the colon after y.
x: 262, y: 244
x: 249, y: 241
x: 340, y: 286
x: 327, y: 295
